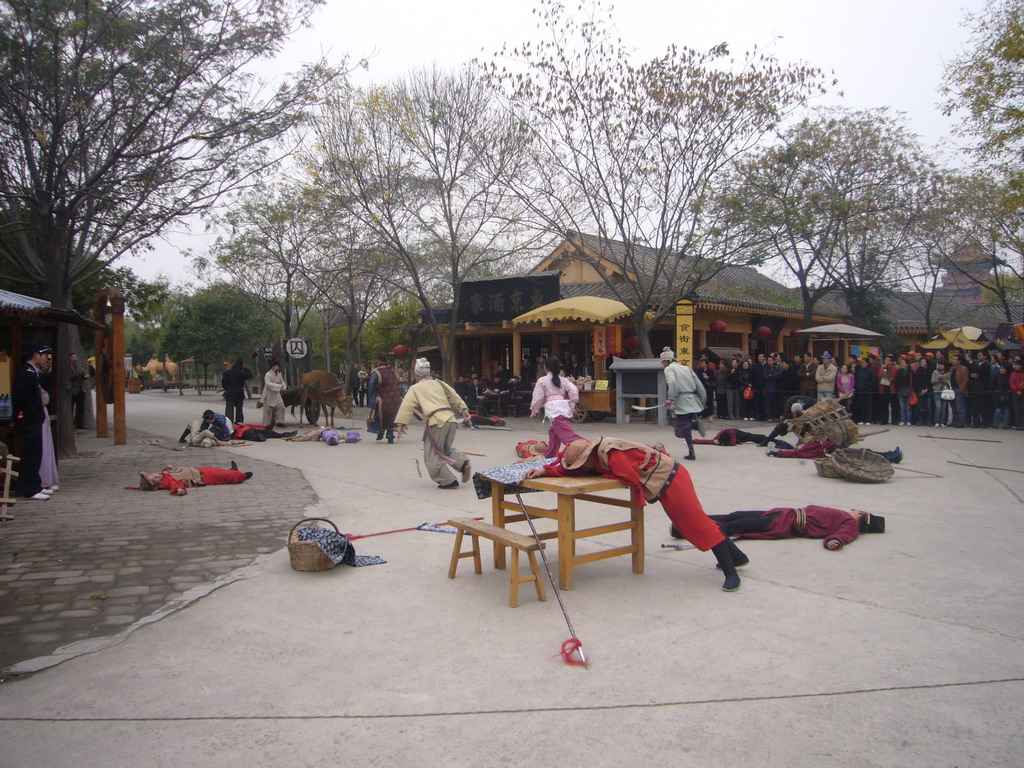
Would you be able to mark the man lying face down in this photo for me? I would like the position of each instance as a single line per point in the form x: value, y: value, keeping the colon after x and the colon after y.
x: 836, y: 526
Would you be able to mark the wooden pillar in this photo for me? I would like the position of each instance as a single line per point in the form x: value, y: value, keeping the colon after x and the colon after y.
x: 101, y: 401
x: 555, y: 348
x: 117, y: 324
x: 517, y: 353
x: 485, y: 357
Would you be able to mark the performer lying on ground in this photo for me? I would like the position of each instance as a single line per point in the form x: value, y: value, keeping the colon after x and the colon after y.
x: 820, y: 448
x: 558, y: 397
x: 257, y: 432
x: 178, y: 480
x: 323, y: 434
x: 737, y: 436
x: 659, y: 478
x: 835, y: 526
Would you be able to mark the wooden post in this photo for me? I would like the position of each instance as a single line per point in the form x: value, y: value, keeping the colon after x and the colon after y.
x: 101, y: 401
x: 517, y: 353
x: 117, y: 324
x: 110, y: 342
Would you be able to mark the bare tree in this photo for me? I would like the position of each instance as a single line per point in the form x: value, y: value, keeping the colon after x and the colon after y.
x: 356, y: 277
x: 272, y: 235
x: 937, y: 237
x: 119, y: 118
x: 837, y: 197
x: 635, y: 155
x: 421, y: 164
x: 993, y: 225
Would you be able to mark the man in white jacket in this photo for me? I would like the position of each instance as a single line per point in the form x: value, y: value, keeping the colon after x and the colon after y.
x: 686, y: 396
x: 273, y: 403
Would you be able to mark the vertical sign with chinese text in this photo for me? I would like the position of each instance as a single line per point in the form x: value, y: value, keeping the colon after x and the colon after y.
x: 684, y: 332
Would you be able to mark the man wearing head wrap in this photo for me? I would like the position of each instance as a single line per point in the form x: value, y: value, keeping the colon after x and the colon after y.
x: 438, y: 405
x: 686, y: 396
x: 836, y: 526
x: 658, y: 478
x: 213, y: 430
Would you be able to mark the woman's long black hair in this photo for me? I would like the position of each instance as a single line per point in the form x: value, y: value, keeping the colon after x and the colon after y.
x: 553, y: 364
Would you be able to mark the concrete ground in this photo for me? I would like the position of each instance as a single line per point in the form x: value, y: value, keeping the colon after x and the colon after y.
x: 901, y: 649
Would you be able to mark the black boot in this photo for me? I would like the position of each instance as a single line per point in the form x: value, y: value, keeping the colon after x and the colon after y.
x: 689, y: 444
x: 184, y: 435
x: 234, y: 466
x: 738, y: 558
x: 724, y: 555
x: 248, y: 475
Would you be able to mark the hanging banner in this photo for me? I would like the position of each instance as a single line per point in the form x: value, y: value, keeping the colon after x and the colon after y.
x: 600, y: 342
x: 684, y: 332
x: 614, y: 340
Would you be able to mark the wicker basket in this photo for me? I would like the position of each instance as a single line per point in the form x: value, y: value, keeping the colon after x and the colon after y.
x: 862, y: 466
x: 826, y: 467
x: 306, y: 555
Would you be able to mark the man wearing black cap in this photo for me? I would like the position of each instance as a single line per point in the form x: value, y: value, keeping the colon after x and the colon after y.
x: 27, y: 404
x: 836, y: 526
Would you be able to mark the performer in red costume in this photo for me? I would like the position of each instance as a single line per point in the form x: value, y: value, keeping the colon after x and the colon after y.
x: 178, y: 480
x: 836, y: 526
x: 660, y: 478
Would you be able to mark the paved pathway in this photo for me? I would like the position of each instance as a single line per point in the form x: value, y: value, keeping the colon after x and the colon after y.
x: 95, y: 559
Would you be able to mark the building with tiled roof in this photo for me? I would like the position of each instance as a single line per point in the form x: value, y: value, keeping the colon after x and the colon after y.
x: 738, y: 308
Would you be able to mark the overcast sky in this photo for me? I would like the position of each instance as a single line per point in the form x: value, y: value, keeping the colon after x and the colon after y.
x: 882, y: 53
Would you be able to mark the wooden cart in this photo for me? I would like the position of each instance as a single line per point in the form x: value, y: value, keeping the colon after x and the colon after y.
x: 594, y: 405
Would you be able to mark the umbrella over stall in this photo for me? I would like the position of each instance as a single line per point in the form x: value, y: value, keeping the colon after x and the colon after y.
x: 589, y: 309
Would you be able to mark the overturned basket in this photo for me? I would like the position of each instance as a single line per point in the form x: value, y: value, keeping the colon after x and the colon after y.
x: 826, y: 467
x: 307, y: 555
x: 857, y: 465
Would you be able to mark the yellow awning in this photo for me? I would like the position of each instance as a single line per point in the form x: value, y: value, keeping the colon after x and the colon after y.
x: 960, y: 338
x: 591, y: 309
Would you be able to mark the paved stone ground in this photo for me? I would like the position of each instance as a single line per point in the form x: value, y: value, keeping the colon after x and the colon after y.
x: 96, y: 558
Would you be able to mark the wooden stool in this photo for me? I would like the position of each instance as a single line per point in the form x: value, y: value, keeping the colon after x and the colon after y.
x: 6, y: 500
x: 517, y: 541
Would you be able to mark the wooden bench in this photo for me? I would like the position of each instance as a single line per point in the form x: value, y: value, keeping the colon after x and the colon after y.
x: 501, y: 537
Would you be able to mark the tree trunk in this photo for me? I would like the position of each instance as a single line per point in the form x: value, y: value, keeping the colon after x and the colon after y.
x: 58, y: 293
x: 643, y: 334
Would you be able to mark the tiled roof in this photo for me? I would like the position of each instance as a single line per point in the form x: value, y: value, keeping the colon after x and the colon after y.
x: 747, y: 288
x: 10, y: 300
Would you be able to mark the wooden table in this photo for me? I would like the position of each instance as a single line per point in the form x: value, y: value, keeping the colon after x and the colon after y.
x: 569, y: 490
x: 493, y: 400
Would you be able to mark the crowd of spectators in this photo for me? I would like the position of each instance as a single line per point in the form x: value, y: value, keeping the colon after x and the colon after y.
x: 922, y: 389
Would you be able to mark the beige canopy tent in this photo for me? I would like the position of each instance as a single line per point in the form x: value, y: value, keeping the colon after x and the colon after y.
x: 590, y: 309
x: 840, y: 331
x: 965, y: 337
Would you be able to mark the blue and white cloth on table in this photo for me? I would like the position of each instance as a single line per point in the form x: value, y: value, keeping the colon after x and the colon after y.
x: 509, y: 475
x: 337, y: 547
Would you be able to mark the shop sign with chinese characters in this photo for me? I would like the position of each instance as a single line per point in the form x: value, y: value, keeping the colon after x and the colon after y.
x: 684, y: 332
x: 491, y: 301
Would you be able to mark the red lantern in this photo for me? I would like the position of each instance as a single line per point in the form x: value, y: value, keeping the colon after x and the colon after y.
x: 762, y: 332
x: 632, y: 343
x: 401, y: 351
x: 717, y: 326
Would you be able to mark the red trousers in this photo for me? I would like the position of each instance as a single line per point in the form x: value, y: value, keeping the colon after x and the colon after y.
x: 218, y: 476
x: 683, y: 508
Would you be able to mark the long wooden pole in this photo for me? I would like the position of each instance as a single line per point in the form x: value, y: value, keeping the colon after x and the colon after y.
x: 978, y: 466
x: 967, y: 439
x: 917, y: 471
